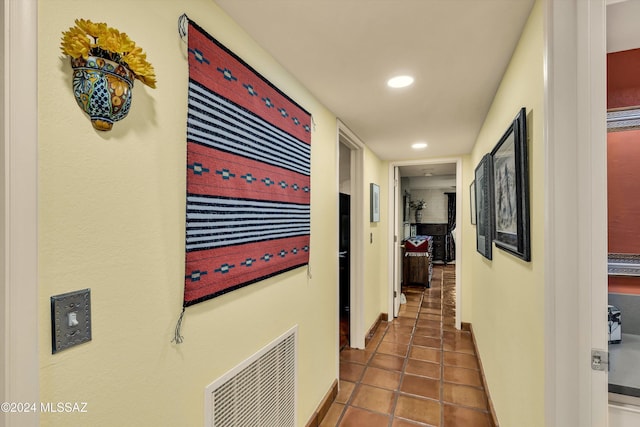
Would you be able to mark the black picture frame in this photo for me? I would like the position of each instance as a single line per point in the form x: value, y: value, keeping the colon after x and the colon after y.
x: 472, y: 197
x: 484, y: 207
x: 510, y: 162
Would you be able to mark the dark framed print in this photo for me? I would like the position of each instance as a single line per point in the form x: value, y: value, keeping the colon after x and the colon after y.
x: 472, y: 196
x: 375, y: 202
x: 407, y: 208
x: 484, y: 207
x: 511, y: 190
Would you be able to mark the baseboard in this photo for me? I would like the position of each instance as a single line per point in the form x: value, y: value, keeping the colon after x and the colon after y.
x: 383, y: 317
x: 324, y: 406
x: 494, y: 419
x: 328, y: 399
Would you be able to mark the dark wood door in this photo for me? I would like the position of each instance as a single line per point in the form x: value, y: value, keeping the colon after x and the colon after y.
x: 345, y: 263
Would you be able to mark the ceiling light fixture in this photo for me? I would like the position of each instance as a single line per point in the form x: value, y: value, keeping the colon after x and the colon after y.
x: 400, y: 81
x: 419, y: 146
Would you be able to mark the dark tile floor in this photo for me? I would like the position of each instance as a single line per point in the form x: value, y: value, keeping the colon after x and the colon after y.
x: 417, y: 370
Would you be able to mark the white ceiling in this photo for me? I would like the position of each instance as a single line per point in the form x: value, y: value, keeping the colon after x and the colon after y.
x: 437, y: 169
x: 343, y: 51
x: 623, y: 32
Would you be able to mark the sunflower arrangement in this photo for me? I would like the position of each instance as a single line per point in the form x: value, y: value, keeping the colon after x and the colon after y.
x: 87, y: 38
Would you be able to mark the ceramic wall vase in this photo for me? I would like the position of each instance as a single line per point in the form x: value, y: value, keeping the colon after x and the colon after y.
x: 102, y: 89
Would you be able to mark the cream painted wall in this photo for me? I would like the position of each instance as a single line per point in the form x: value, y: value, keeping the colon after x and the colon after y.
x: 468, y: 243
x: 111, y: 218
x: 507, y: 309
x: 376, y: 285
x: 437, y: 208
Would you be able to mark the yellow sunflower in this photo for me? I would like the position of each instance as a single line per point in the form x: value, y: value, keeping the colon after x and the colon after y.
x: 95, y: 30
x: 87, y: 38
x: 75, y: 43
x: 137, y: 62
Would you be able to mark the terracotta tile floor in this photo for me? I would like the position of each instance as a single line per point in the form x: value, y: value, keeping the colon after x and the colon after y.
x: 415, y: 371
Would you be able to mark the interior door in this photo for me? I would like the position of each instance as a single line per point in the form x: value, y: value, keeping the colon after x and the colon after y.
x: 345, y: 268
x: 397, y: 249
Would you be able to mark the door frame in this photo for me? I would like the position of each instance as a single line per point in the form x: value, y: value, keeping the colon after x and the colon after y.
x: 356, y: 312
x: 576, y: 211
x: 19, y: 357
x: 393, y: 256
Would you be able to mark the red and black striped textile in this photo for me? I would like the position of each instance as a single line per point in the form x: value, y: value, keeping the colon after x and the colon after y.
x: 248, y: 174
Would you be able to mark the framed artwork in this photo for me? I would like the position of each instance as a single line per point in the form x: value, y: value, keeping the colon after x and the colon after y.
x: 484, y: 207
x: 511, y: 190
x: 375, y: 202
x: 472, y: 196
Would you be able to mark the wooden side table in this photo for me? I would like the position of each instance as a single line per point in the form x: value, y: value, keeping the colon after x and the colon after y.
x: 416, y: 269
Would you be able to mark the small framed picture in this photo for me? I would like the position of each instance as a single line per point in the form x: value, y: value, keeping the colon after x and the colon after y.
x: 375, y: 202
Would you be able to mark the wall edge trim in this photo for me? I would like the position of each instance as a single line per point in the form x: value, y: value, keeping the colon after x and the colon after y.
x: 466, y: 326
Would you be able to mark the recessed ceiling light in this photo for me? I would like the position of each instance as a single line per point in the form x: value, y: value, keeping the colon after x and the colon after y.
x: 400, y: 81
x: 419, y: 146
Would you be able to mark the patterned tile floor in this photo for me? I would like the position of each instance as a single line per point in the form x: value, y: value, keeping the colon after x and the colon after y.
x: 415, y: 371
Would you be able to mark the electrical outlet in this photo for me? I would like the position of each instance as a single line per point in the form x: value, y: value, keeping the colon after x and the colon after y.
x: 70, y: 319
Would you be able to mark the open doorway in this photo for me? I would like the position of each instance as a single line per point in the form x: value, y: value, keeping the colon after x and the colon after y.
x: 345, y: 244
x: 438, y: 184
x: 623, y: 126
x: 351, y: 164
x: 623, y: 136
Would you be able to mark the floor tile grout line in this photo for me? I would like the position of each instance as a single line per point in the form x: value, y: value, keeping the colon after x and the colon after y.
x: 425, y: 297
x: 358, y: 382
x: 430, y: 299
x: 442, y: 348
x: 469, y: 407
x: 404, y: 364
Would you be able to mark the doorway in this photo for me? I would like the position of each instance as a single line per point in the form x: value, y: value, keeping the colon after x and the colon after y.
x: 623, y: 281
x: 344, y: 242
x: 345, y: 269
x: 623, y: 284
x: 430, y: 178
x: 350, y: 152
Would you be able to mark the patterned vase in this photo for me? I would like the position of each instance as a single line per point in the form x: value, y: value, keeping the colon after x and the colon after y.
x: 102, y: 89
x: 418, y: 216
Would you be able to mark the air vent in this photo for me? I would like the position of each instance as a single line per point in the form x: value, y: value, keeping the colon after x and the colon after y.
x: 259, y: 392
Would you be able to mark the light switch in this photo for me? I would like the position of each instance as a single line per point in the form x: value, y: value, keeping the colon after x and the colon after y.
x: 70, y: 319
x: 73, y: 318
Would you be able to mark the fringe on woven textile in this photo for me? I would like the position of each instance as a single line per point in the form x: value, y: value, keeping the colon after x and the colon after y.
x: 416, y: 254
x: 177, y: 336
